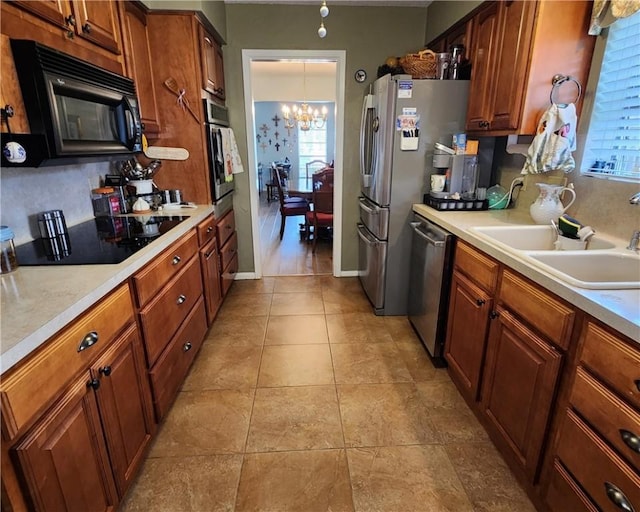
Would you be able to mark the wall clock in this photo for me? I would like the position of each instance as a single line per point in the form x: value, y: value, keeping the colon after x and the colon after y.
x: 360, y: 76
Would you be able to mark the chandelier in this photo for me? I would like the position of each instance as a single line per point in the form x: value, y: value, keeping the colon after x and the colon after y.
x: 304, y: 116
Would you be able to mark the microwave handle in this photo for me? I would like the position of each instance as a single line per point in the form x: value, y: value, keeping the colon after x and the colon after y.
x: 134, y: 129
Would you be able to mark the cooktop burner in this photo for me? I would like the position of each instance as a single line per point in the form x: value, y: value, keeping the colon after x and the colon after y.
x: 102, y: 240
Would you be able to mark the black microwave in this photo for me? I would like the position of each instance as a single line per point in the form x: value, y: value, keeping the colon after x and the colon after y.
x: 75, y: 109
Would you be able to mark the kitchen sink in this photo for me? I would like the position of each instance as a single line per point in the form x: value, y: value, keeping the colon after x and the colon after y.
x: 531, y: 238
x: 595, y: 270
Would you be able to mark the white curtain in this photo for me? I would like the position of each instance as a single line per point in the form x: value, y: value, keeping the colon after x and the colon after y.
x: 605, y: 12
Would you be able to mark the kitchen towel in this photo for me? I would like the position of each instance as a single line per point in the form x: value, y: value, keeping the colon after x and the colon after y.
x: 555, y: 140
x: 232, y: 161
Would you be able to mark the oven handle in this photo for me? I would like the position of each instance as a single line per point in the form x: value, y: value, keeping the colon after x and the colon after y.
x: 421, y: 234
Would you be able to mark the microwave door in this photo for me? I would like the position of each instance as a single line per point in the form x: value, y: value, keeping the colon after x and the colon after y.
x: 220, y: 184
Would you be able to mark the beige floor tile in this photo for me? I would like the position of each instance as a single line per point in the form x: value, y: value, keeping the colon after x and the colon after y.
x: 341, y: 284
x: 237, y: 330
x: 418, y: 361
x: 384, y: 415
x: 297, y: 304
x: 246, y: 305
x: 441, y: 394
x: 252, y: 286
x: 296, y: 330
x: 400, y: 328
x: 295, y: 365
x: 486, y: 478
x: 457, y: 425
x: 306, y: 481
x: 295, y: 418
x: 300, y: 284
x: 224, y: 367
x: 405, y: 479
x: 357, y: 328
x: 195, y: 484
x: 336, y: 301
x: 368, y: 363
x: 205, y: 422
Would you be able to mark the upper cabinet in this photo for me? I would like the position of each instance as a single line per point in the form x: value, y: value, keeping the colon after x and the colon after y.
x: 212, y: 64
x: 138, y: 63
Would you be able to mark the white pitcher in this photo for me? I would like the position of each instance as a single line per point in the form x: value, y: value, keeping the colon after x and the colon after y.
x: 547, y: 206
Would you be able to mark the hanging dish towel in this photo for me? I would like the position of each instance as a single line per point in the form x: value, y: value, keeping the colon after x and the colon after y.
x: 555, y: 140
x: 232, y: 162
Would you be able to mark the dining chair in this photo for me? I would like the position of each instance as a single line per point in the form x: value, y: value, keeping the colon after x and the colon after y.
x: 289, y: 206
x: 322, y: 199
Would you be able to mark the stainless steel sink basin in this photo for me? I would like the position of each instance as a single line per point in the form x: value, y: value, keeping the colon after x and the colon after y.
x: 595, y: 270
x: 531, y: 238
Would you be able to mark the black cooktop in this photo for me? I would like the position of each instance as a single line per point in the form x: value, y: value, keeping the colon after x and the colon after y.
x: 102, y: 240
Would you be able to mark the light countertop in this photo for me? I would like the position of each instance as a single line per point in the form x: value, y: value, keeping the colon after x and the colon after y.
x: 619, y: 309
x: 36, y: 302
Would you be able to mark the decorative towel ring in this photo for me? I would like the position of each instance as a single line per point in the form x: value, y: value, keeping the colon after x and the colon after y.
x: 558, y: 80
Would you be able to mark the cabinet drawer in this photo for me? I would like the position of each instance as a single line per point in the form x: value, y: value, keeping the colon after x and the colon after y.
x: 34, y: 385
x: 613, y: 360
x: 229, y: 250
x: 148, y: 281
x: 564, y: 495
x: 206, y: 230
x: 229, y: 274
x: 540, y: 309
x: 599, y: 471
x: 608, y: 415
x: 479, y: 268
x: 226, y: 227
x: 169, y: 372
x: 161, y: 317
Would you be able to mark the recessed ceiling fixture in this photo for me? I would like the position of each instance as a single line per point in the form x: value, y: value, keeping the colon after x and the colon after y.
x: 324, y: 12
x: 304, y: 115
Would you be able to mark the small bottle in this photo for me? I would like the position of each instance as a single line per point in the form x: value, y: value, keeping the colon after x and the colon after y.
x: 8, y: 259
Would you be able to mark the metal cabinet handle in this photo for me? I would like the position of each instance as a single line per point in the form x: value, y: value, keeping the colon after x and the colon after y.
x: 617, y: 497
x: 481, y: 302
x: 181, y: 299
x: 209, y: 229
x: 90, y: 339
x: 176, y: 259
x: 70, y: 20
x: 86, y: 28
x: 186, y: 347
x: 630, y: 439
x: 105, y: 370
x: 416, y: 225
x: 94, y: 383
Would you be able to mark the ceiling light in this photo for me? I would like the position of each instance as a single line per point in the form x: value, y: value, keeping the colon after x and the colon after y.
x: 322, y: 31
x: 304, y: 116
x: 324, y: 10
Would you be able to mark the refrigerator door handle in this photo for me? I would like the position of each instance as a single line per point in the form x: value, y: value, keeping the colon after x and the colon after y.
x: 363, y: 205
x: 368, y: 125
x: 364, y: 237
x: 424, y: 236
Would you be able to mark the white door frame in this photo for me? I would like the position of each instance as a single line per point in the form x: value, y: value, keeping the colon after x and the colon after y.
x: 337, y: 56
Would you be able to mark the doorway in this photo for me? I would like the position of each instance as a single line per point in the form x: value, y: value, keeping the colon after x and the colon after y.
x: 292, y: 255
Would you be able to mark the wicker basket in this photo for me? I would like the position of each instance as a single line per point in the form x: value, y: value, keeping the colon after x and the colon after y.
x: 420, y: 65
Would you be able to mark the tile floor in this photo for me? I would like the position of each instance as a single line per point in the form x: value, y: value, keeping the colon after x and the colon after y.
x: 302, y: 400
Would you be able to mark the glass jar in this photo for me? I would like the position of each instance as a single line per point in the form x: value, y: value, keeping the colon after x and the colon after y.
x: 105, y: 201
x: 8, y: 259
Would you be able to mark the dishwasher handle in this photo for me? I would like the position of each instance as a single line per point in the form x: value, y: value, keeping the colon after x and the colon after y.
x: 421, y: 234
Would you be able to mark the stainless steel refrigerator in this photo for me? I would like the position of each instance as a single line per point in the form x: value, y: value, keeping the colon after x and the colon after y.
x: 395, y: 158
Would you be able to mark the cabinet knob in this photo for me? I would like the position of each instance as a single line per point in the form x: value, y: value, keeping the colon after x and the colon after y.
x: 176, y: 259
x: 94, y: 383
x: 207, y: 255
x: 481, y: 302
x: 70, y: 20
x: 637, y: 383
x: 105, y: 370
x: 630, y: 439
x: 186, y: 347
x: 227, y: 227
x: 86, y: 28
x: 90, y: 339
x: 493, y: 315
x: 617, y: 497
x: 209, y: 229
x: 181, y: 299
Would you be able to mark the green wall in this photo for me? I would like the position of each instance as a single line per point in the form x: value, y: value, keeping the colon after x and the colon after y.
x: 441, y: 14
x: 367, y: 34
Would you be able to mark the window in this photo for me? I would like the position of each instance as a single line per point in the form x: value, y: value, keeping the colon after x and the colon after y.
x: 312, y: 145
x: 613, y: 141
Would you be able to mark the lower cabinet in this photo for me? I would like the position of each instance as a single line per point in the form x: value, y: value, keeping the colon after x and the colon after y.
x: 210, y: 263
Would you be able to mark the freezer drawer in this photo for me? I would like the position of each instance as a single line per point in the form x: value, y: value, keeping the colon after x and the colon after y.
x: 372, y: 266
x: 375, y: 218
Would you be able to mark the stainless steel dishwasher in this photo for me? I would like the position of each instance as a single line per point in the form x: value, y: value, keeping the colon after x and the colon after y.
x: 430, y: 277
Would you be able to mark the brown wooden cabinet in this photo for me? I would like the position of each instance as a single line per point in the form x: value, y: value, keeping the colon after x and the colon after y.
x: 228, y: 241
x: 210, y: 264
x: 138, y: 62
x: 212, y: 64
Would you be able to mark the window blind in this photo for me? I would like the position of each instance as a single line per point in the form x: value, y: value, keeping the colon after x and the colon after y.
x: 613, y: 140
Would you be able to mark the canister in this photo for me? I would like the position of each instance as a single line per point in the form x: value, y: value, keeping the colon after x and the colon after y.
x: 8, y: 259
x: 105, y: 201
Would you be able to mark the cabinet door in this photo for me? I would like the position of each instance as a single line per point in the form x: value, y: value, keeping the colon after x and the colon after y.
x: 219, y: 67
x: 124, y: 401
x: 516, y: 27
x: 210, y: 262
x: 54, y: 11
x: 64, y: 459
x: 518, y: 388
x: 208, y: 55
x: 485, y: 26
x: 95, y: 21
x: 138, y: 63
x: 469, y: 309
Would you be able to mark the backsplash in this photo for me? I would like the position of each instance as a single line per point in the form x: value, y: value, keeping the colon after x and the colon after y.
x: 601, y: 204
x: 25, y: 192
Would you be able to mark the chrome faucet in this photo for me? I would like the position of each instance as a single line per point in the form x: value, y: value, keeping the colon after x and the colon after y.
x: 635, y: 240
